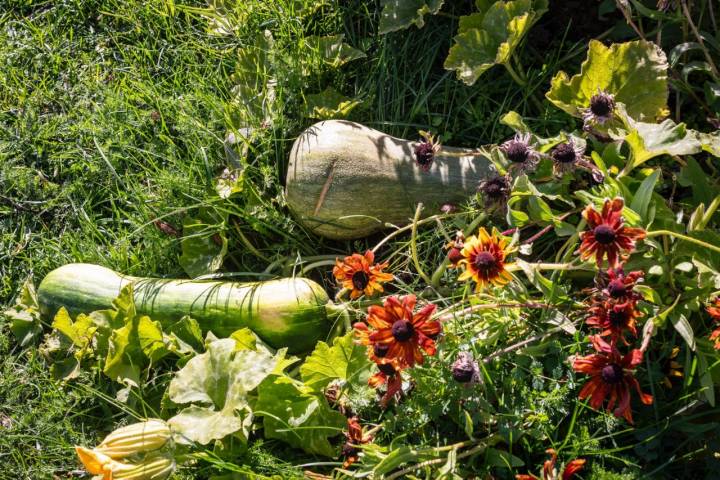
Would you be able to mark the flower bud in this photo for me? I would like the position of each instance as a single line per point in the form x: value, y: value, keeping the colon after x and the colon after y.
x: 154, y: 468
x: 137, y: 438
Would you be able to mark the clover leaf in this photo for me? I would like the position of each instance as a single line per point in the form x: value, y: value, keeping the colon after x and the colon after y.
x: 490, y: 36
x: 634, y: 72
x: 218, y: 383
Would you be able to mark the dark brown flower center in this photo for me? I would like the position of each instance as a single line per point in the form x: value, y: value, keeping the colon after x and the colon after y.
x: 380, y: 349
x: 485, y: 261
x: 402, y: 330
x: 617, y: 317
x: 604, y: 234
x: 463, y: 372
x: 386, y: 368
x: 424, y: 154
x: 564, y: 153
x: 612, y: 373
x: 495, y: 188
x: 516, y: 152
x: 601, y: 105
x: 349, y: 450
x: 617, y: 289
x: 360, y: 280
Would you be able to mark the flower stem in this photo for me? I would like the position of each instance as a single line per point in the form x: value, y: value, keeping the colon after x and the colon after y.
x: 437, y: 275
x: 413, y: 245
x: 658, y: 233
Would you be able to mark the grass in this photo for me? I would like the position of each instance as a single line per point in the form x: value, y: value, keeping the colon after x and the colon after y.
x: 113, y: 114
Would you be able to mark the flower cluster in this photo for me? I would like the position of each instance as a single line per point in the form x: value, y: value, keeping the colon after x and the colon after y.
x: 714, y: 311
x: 549, y: 471
x: 613, y: 311
x: 396, y: 337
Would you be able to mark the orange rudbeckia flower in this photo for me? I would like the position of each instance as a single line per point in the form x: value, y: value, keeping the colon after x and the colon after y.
x: 484, y: 259
x: 607, y: 235
x: 399, y: 335
x: 611, y: 375
x: 550, y: 472
x: 360, y: 275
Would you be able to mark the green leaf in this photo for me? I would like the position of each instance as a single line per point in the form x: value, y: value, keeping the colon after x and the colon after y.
x: 184, y: 336
x: 220, y: 381
x: 329, y: 104
x: 693, y: 176
x: 345, y: 360
x: 333, y: 50
x: 710, y: 142
x: 634, y: 72
x: 253, y: 93
x: 683, y: 327
x: 641, y: 200
x: 203, y: 247
x: 245, y: 339
x: 649, y: 140
x: 489, y: 37
x: 24, y: 316
x: 400, y: 14
x: 296, y: 414
x: 80, y: 332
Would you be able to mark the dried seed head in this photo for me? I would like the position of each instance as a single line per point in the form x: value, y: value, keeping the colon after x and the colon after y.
x: 465, y: 369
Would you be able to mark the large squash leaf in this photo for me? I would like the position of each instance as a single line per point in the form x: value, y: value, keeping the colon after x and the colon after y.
x: 649, y: 140
x: 345, y: 360
x: 296, y: 414
x: 635, y: 72
x: 489, y: 37
x: 400, y: 14
x: 217, y: 383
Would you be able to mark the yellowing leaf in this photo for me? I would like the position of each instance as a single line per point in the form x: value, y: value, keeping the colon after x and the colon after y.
x: 634, y: 72
x: 333, y: 50
x: 489, y: 37
x: 329, y: 104
x: 400, y: 14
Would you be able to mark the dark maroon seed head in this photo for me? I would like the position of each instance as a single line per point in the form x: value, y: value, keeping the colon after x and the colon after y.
x: 485, y: 261
x: 617, y: 317
x: 402, y: 330
x: 564, y: 153
x: 601, y: 105
x: 604, y: 234
x: 617, y: 289
x: 348, y: 450
x: 463, y: 372
x: 360, y: 280
x: 454, y: 255
x: 612, y: 373
x: 424, y: 154
x: 516, y: 151
x: 380, y: 349
x: 386, y: 368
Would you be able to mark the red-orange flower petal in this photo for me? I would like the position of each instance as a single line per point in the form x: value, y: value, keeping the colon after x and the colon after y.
x: 360, y: 275
x: 607, y: 235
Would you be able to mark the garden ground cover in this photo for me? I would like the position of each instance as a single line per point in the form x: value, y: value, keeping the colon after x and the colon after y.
x: 113, y: 135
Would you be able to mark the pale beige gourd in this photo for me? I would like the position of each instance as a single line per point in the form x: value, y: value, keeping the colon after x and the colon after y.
x: 347, y: 181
